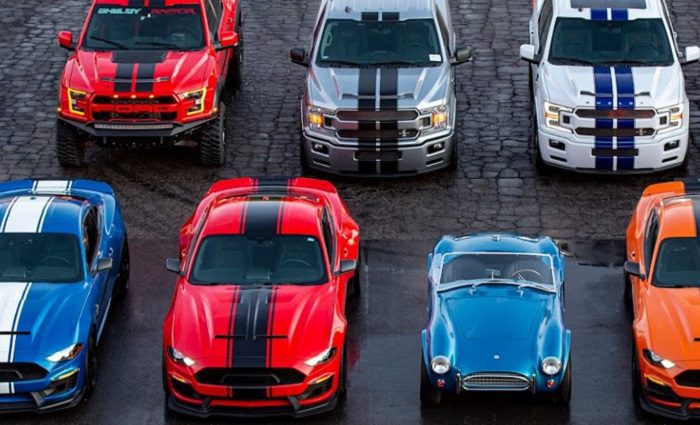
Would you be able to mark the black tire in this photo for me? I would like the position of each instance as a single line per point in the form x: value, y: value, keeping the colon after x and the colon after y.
x: 454, y: 161
x: 212, y: 144
x: 355, y: 283
x: 536, y: 156
x: 429, y: 396
x: 168, y: 414
x: 91, y: 369
x: 636, y: 378
x: 234, y: 75
x: 562, y: 396
x: 121, y: 288
x: 628, y: 296
x: 303, y: 158
x: 70, y: 145
x: 343, y: 384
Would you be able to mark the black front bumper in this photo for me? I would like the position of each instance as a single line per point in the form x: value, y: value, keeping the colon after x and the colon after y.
x: 205, y: 411
x: 141, y: 132
x: 33, y: 407
x: 682, y: 414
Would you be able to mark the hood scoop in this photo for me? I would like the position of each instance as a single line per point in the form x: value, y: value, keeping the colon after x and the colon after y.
x: 138, y: 56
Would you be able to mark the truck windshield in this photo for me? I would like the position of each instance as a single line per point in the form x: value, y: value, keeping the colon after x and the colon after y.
x: 145, y: 28
x: 640, y: 42
x: 349, y: 42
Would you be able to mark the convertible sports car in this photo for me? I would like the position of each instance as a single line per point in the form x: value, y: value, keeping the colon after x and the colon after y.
x: 59, y: 240
x: 257, y: 324
x: 662, y: 291
x: 496, y: 319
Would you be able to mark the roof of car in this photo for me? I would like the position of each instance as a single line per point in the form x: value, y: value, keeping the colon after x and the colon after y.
x: 263, y: 214
x: 609, y: 9
x: 41, y: 214
x: 364, y: 9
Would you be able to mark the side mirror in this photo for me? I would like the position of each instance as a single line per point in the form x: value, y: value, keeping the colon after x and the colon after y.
x: 65, y: 40
x: 298, y: 56
x: 633, y: 269
x: 462, y: 55
x: 104, y: 264
x: 226, y: 41
x: 528, y: 53
x: 172, y: 265
x: 347, y: 266
x: 692, y: 54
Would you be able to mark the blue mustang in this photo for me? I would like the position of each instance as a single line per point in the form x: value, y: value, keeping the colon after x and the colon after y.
x: 63, y: 259
x: 496, y: 319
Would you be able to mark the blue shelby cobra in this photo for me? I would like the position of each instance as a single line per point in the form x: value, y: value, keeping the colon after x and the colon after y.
x: 496, y: 319
x: 63, y: 259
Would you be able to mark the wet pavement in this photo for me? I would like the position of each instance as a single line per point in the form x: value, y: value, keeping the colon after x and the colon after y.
x: 384, y: 350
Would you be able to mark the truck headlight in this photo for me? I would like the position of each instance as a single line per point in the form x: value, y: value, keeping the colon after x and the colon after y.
x: 68, y: 353
x: 551, y: 366
x: 197, y: 96
x: 321, y: 358
x: 671, y: 118
x: 178, y: 357
x: 553, y: 116
x: 440, y: 365
x: 440, y: 117
x: 76, y: 101
x: 316, y: 117
x: 657, y: 360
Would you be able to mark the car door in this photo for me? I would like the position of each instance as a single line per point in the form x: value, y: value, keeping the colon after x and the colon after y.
x: 649, y: 243
x: 95, y: 245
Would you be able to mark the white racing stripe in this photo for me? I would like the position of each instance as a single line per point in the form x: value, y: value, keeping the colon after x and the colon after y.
x: 12, y: 295
x: 26, y: 214
x: 52, y: 186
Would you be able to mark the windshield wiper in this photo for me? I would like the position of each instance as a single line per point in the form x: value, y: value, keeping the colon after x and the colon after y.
x: 534, y: 285
x: 409, y: 63
x: 342, y: 62
x: 108, y: 41
x: 632, y: 62
x: 575, y: 61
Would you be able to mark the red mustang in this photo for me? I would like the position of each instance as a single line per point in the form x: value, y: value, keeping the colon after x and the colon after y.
x: 257, y: 324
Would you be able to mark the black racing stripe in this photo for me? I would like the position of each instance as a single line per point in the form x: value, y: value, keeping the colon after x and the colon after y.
x: 270, y: 332
x: 273, y: 184
x: 389, y: 101
x: 157, y: 3
x: 367, y: 93
x: 144, y: 77
x: 261, y: 218
x: 390, y: 16
x: 231, y: 331
x: 136, y: 3
x: 370, y: 16
x: 123, y: 76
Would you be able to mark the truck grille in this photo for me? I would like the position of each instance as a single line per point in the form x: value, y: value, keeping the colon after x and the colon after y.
x: 615, y: 132
x: 249, y: 377
x: 163, y: 108
x: 494, y: 381
x: 363, y: 115
x: 373, y: 125
x: 15, y: 372
x: 689, y: 378
x: 620, y: 114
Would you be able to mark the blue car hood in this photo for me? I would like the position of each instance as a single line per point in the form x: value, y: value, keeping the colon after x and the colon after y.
x: 497, y: 329
x: 47, y: 320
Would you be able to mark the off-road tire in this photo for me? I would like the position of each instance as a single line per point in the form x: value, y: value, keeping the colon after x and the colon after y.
x: 70, y: 145
x: 212, y: 144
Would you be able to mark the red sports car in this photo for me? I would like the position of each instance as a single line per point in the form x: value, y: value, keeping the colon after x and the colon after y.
x: 257, y: 325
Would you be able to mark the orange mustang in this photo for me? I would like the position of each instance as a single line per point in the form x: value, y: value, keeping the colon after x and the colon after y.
x: 663, y: 290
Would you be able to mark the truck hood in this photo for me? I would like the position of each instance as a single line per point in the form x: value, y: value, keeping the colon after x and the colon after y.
x: 47, y: 318
x: 134, y: 71
x: 674, y: 323
x: 419, y: 88
x: 296, y: 321
x: 574, y: 86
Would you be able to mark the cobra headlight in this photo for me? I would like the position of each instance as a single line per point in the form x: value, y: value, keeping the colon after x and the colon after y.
x: 321, y: 358
x: 68, y: 353
x: 178, y: 357
x: 440, y: 365
x: 671, y: 118
x: 197, y: 98
x: 553, y: 116
x: 76, y: 101
x: 551, y: 366
x: 440, y: 117
x: 657, y: 360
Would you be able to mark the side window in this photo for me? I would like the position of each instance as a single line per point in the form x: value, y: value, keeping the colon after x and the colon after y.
x: 328, y: 237
x: 650, y: 240
x: 544, y: 22
x: 213, y: 9
x: 91, y: 235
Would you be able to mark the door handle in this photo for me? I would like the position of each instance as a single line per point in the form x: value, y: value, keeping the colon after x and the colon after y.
x: 110, y: 252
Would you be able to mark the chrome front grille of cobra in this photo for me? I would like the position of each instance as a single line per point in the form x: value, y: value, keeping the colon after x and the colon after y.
x: 495, y: 381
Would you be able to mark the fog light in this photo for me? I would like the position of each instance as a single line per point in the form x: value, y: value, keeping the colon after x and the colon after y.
x: 555, y: 144
x: 550, y: 383
x: 436, y: 147
x: 672, y: 145
x: 320, y: 148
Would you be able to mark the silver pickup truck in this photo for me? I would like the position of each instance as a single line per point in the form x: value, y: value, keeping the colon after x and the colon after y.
x: 379, y: 97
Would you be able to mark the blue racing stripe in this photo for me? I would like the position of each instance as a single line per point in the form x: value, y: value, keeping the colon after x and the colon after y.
x: 603, y: 101
x: 620, y: 15
x: 599, y: 14
x: 625, y: 101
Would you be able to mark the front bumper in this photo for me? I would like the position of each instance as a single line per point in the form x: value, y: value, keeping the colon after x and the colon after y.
x: 29, y: 405
x: 329, y: 156
x: 112, y: 130
x: 572, y: 152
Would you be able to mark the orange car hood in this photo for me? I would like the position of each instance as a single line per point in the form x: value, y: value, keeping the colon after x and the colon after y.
x: 674, y: 322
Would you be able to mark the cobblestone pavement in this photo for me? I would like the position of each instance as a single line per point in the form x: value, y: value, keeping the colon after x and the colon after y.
x: 495, y: 187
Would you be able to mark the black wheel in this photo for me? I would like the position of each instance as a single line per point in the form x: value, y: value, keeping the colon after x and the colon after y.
x: 355, y: 285
x: 303, y: 158
x: 537, y: 160
x: 628, y: 295
x: 70, y: 145
x: 429, y: 396
x: 212, y: 144
x: 562, y: 396
x: 121, y: 287
x: 168, y: 414
x: 454, y: 161
x: 343, y: 384
x: 636, y: 377
x: 90, y: 368
x: 234, y: 75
